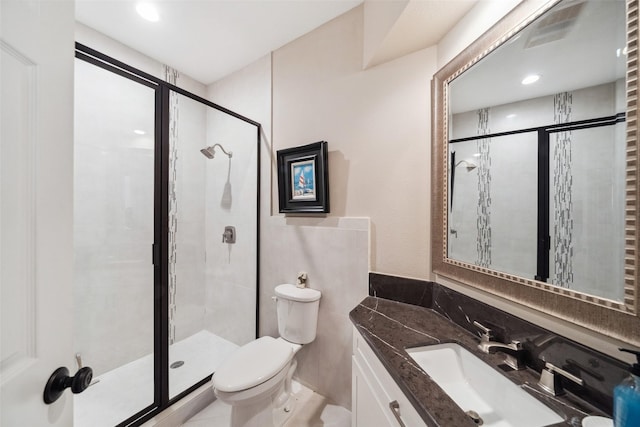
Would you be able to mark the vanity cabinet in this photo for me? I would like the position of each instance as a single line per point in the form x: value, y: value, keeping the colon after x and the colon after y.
x: 376, y: 398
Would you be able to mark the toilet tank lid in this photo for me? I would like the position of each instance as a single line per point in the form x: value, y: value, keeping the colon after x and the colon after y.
x: 252, y: 364
x: 289, y: 291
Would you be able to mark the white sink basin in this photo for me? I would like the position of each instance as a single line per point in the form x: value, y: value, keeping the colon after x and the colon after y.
x: 476, y: 386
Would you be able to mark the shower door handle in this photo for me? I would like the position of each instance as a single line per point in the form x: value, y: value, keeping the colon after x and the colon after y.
x: 155, y: 254
x: 60, y: 380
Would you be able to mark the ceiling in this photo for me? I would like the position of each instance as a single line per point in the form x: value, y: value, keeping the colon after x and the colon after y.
x: 576, y: 44
x: 209, y: 39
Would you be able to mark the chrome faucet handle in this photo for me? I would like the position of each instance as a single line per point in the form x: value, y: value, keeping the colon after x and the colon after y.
x: 550, y: 379
x: 487, y: 333
x: 517, y: 345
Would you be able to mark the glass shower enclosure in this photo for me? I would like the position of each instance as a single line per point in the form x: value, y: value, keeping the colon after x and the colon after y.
x: 166, y: 239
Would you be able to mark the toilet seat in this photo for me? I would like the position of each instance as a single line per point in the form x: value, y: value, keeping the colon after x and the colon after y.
x: 252, y: 364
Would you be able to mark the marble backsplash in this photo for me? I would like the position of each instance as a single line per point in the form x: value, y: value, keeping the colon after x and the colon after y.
x: 600, y: 372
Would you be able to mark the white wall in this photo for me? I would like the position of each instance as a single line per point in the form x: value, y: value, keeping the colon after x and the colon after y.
x: 376, y: 123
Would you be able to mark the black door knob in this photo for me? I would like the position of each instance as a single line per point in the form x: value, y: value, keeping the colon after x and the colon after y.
x: 60, y: 380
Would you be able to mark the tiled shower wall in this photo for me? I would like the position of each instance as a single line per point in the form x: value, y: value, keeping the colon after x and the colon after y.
x: 495, y: 228
x: 187, y: 283
x: 230, y: 197
x: 214, y: 282
x: 562, y: 197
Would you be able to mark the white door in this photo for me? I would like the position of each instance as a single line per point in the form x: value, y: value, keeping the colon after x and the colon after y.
x: 36, y: 208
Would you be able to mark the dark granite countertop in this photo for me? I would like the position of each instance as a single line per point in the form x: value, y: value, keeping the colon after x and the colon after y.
x: 389, y: 327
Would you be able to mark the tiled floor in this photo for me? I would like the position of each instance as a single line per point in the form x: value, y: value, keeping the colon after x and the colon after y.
x: 120, y: 393
x: 312, y: 410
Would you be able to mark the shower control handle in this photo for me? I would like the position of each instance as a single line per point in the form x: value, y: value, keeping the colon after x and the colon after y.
x: 229, y: 235
x: 60, y: 380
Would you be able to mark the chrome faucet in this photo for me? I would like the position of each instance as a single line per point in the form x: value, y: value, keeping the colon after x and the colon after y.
x: 512, y: 351
x: 550, y: 379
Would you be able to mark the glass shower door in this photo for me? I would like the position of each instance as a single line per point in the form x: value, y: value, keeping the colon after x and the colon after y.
x: 113, y: 237
x: 587, y: 205
x: 160, y: 299
x: 212, y: 278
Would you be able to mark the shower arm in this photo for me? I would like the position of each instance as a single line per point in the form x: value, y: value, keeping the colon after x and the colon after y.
x: 229, y: 154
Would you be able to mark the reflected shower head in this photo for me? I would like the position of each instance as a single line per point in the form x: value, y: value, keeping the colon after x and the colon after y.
x: 209, y: 151
x: 468, y: 164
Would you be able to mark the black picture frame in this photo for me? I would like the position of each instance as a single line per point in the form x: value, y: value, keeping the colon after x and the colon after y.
x: 303, y: 179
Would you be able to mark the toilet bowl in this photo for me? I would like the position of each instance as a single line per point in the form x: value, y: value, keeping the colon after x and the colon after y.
x: 256, y: 379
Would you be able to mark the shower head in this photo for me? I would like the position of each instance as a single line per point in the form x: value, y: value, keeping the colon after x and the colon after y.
x: 209, y: 151
x: 468, y: 164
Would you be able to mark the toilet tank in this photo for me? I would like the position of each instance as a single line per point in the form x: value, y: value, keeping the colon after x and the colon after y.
x: 297, y: 313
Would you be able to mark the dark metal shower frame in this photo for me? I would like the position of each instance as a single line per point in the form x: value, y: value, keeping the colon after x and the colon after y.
x: 160, y: 250
x: 544, y: 132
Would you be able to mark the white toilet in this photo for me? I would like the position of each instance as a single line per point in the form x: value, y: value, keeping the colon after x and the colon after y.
x: 256, y: 379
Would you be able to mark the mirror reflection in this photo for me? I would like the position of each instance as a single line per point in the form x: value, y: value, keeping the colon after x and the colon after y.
x: 536, y: 152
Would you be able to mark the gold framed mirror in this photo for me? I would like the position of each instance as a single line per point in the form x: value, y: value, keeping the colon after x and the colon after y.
x: 543, y: 211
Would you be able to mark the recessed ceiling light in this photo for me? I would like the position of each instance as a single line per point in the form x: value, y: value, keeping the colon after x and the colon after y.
x: 511, y: 116
x: 148, y: 11
x: 139, y: 132
x: 530, y: 79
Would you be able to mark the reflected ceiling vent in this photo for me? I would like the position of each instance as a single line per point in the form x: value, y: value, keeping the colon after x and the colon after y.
x: 555, y: 25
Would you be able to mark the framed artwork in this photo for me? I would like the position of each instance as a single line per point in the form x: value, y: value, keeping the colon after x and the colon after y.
x: 303, y: 179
